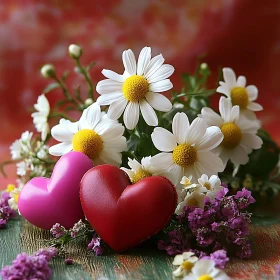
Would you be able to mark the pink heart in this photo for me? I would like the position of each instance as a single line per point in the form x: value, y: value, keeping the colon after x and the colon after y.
x: 44, y: 202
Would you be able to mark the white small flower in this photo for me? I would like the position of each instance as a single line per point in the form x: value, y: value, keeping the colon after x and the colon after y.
x: 237, y: 91
x: 210, y: 186
x: 185, y: 262
x: 187, y: 182
x: 26, y: 142
x: 188, y: 150
x: 206, y: 270
x: 42, y: 151
x: 194, y: 198
x: 137, y: 89
x: 22, y: 168
x: 15, y: 149
x: 48, y: 71
x: 75, y: 51
x: 40, y: 118
x: 95, y: 135
x: 239, y: 133
x: 13, y: 201
x: 38, y: 171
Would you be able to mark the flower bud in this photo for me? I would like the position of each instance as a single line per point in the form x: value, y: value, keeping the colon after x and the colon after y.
x: 75, y: 51
x: 203, y: 66
x: 48, y: 71
x: 88, y: 102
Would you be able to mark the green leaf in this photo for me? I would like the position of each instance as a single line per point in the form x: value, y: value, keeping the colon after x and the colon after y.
x: 50, y: 87
x: 92, y: 64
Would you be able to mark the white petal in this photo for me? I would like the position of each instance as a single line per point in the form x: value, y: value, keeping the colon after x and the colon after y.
x: 61, y: 149
x: 131, y: 115
x: 212, y: 138
x: 153, y: 65
x: 178, y: 272
x: 134, y: 165
x: 234, y: 114
x: 196, y: 131
x: 251, y: 140
x: 148, y: 113
x: 143, y: 60
x: 62, y: 133
x: 129, y: 62
x: 254, y: 106
x: 161, y: 86
x: 225, y: 108
x: 252, y: 92
x: 241, y: 81
x: 118, y: 144
x: 162, y: 161
x: 117, y: 108
x: 223, y: 88
x: 128, y: 172
x: 108, y: 86
x: 203, y: 267
x: 178, y: 260
x: 108, y: 98
x: 180, y: 127
x: 211, y: 117
x: 163, y: 139
x: 209, y: 163
x: 229, y: 77
x: 239, y: 156
x: 91, y: 115
x: 113, y: 131
x: 113, y: 75
x: 110, y: 156
x: 159, y: 101
x: 164, y: 72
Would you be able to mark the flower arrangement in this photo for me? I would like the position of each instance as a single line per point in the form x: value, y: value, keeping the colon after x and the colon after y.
x: 213, y: 161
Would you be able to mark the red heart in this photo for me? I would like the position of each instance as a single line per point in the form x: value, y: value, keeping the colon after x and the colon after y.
x: 122, y: 214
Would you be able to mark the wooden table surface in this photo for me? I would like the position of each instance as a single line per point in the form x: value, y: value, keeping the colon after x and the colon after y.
x: 139, y: 263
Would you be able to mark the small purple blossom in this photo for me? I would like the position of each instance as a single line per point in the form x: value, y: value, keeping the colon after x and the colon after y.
x: 6, y: 212
x: 68, y: 261
x: 96, y: 245
x: 58, y: 230
x: 26, y: 267
x: 219, y: 257
x: 244, y: 198
x: 77, y: 228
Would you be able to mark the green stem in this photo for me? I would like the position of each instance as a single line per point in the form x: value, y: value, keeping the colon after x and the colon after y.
x: 85, y: 73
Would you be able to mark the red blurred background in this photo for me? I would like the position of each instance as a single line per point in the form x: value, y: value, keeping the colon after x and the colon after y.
x: 241, y: 34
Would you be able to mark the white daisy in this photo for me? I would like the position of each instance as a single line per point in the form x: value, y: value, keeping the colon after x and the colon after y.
x: 210, y: 186
x: 13, y: 201
x: 239, y: 133
x: 237, y: 91
x: 206, y: 270
x: 137, y: 89
x: 94, y: 135
x: 195, y: 198
x: 185, y: 262
x: 40, y: 118
x: 188, y: 150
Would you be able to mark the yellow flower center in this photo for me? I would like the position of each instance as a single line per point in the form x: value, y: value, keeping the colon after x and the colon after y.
x: 10, y: 188
x: 207, y: 186
x: 88, y: 142
x: 192, y: 202
x: 135, y: 88
x: 205, y: 277
x: 16, y: 198
x: 184, y: 155
x: 239, y: 96
x: 232, y: 135
x: 140, y: 175
x: 186, y: 265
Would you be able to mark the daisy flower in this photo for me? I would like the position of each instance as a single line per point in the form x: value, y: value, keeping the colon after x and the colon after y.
x: 137, y: 89
x: 142, y: 170
x: 195, y: 198
x: 206, y: 270
x: 237, y: 91
x: 185, y: 262
x: 239, y: 133
x: 94, y: 135
x: 210, y: 186
x: 188, y: 150
x: 40, y: 118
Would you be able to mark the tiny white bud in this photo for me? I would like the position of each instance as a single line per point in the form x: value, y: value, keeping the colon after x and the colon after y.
x: 88, y: 102
x: 48, y: 71
x: 203, y: 66
x: 75, y: 51
x: 178, y: 105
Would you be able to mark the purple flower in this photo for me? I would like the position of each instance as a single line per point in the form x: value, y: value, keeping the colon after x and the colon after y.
x: 26, y: 267
x: 219, y: 257
x: 222, y: 193
x: 68, y: 261
x: 2, y: 223
x: 58, y: 230
x: 96, y: 245
x: 244, y: 198
x: 77, y: 228
x: 6, y: 212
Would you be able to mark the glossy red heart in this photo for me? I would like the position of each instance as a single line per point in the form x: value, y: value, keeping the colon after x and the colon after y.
x: 122, y: 214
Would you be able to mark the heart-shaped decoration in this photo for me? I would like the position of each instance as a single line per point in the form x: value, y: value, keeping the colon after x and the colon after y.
x: 44, y: 202
x: 122, y: 214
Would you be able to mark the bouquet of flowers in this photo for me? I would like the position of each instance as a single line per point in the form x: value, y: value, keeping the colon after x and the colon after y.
x: 210, y: 158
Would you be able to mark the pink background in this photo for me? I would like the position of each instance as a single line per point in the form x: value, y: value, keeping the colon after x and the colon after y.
x: 242, y: 34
